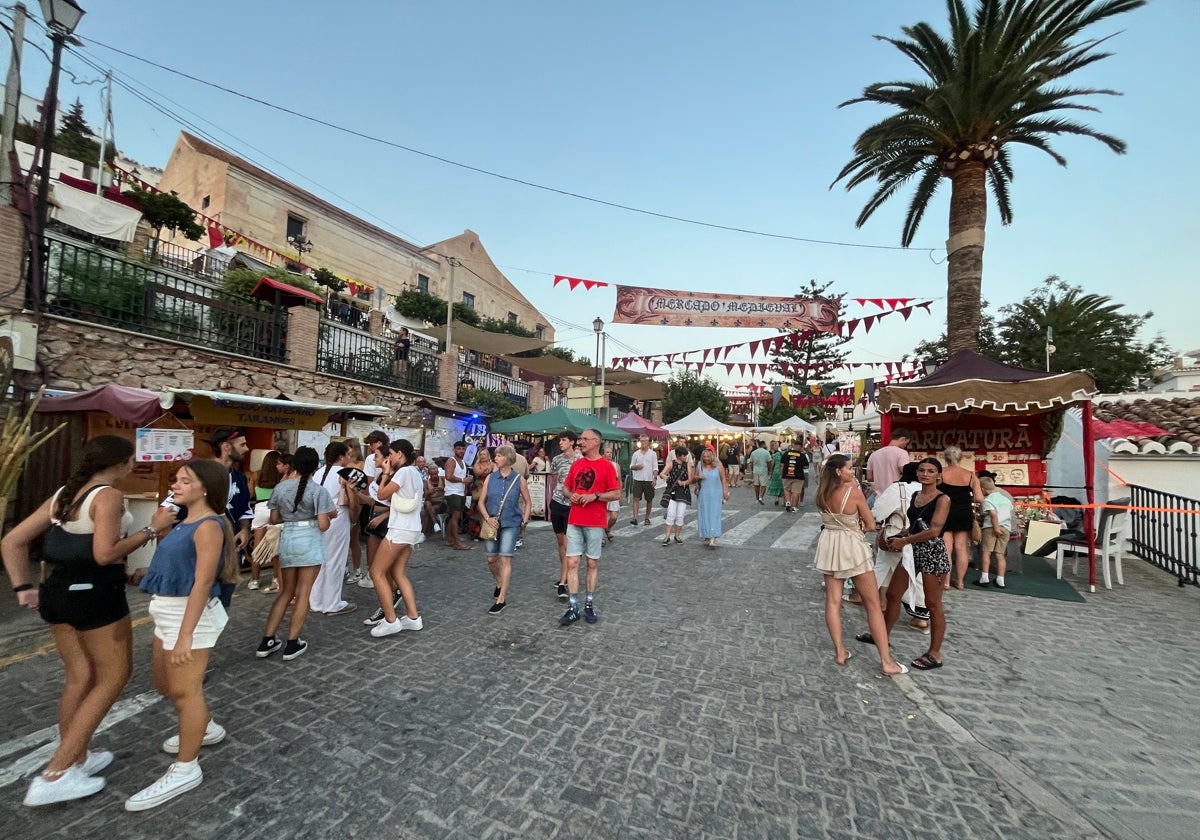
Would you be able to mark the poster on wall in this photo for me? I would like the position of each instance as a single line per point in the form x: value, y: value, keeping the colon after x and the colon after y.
x: 439, y: 441
x: 155, y: 445
x: 318, y: 440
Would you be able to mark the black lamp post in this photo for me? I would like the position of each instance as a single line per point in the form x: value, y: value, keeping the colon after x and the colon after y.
x: 61, y: 16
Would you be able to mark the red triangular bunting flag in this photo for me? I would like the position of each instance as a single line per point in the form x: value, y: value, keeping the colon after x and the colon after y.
x: 656, y: 364
x: 573, y: 282
x: 861, y: 301
x: 878, y: 302
x: 728, y: 367
x: 754, y: 345
x: 558, y: 278
x: 926, y: 306
x: 868, y: 322
x: 906, y: 311
x: 850, y: 327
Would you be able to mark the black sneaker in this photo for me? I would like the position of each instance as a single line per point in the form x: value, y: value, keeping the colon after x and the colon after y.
x: 589, y: 613
x: 269, y: 645
x: 981, y: 582
x: 569, y: 617
x: 377, y: 616
x: 294, y: 648
x: 496, y: 608
x: 563, y: 594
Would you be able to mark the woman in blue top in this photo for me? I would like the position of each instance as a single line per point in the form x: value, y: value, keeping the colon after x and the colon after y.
x: 188, y: 618
x: 711, y: 498
x: 505, y: 504
x: 303, y: 507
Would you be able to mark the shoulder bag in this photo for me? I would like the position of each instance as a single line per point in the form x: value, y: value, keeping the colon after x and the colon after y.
x: 404, y: 504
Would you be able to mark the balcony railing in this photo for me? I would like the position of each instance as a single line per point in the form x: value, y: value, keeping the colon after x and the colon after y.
x: 1166, y: 532
x: 196, y: 262
x: 513, y: 389
x: 343, y: 351
x: 89, y: 284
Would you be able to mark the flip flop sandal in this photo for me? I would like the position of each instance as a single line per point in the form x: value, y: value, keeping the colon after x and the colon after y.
x: 849, y: 656
x: 903, y: 671
x: 925, y: 662
x: 865, y: 638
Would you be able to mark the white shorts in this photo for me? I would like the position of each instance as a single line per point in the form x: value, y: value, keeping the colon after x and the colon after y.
x: 615, y: 504
x: 403, y: 536
x: 167, y: 612
x: 262, y: 516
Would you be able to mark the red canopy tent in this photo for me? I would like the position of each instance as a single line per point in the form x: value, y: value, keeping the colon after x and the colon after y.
x: 637, y: 425
x: 133, y: 405
x: 1008, y: 417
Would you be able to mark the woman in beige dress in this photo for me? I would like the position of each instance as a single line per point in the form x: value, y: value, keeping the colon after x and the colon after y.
x: 843, y: 552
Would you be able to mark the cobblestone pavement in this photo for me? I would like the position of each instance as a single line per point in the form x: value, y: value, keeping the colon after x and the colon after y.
x: 705, y: 703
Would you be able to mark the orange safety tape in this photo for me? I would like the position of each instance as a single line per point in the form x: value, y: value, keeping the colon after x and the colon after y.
x: 1113, y: 507
x: 1105, y: 467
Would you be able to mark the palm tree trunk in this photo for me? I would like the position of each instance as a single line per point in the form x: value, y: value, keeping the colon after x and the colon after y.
x: 964, y: 268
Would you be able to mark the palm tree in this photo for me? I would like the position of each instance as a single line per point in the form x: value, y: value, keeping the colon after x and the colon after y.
x: 996, y: 81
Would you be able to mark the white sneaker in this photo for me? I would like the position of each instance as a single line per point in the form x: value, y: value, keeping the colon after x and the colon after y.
x: 214, y: 733
x: 366, y: 582
x: 179, y: 778
x: 407, y: 623
x: 354, y: 576
x: 96, y: 761
x: 387, y: 628
x: 72, y: 784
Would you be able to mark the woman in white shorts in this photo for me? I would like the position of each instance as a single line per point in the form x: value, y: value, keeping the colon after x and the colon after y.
x: 403, y: 488
x: 188, y: 619
x: 304, y: 509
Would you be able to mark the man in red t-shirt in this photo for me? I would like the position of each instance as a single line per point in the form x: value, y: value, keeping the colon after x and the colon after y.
x: 590, y: 485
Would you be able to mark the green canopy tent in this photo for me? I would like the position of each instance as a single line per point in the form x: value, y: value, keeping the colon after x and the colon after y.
x: 554, y: 420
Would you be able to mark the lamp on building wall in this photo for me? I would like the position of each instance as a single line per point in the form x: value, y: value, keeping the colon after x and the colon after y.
x: 302, y: 244
x: 61, y: 16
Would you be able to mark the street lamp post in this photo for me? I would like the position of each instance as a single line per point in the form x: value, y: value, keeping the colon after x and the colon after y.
x: 598, y: 327
x: 61, y: 16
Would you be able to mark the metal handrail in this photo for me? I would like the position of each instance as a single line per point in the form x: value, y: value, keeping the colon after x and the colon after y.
x: 1168, y: 534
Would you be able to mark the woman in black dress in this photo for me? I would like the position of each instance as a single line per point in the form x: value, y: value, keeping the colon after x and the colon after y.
x: 927, y: 513
x: 962, y: 486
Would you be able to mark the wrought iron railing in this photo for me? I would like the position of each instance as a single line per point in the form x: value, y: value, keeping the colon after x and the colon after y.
x: 514, y: 390
x: 342, y: 351
x: 1167, y: 536
x: 89, y: 284
x: 194, y: 261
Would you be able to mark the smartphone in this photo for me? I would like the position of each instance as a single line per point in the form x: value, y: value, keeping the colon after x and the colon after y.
x: 169, y: 503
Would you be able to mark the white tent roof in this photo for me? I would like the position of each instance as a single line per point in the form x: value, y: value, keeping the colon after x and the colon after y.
x: 699, y: 423
x: 871, y: 422
x: 796, y: 424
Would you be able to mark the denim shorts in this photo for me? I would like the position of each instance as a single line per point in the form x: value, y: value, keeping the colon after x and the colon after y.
x: 505, y: 543
x: 301, y: 544
x: 584, y: 541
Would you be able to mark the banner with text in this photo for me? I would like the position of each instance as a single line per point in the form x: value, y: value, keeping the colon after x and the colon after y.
x: 667, y: 308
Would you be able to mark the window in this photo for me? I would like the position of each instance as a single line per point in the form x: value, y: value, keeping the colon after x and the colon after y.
x: 295, y: 227
x: 204, y: 202
x: 468, y: 300
x: 422, y: 284
x: 540, y: 330
x: 512, y: 319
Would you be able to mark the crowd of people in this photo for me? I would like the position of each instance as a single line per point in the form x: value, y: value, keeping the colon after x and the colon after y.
x: 305, y: 516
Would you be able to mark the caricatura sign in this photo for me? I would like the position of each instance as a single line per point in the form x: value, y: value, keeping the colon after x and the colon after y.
x: 667, y: 308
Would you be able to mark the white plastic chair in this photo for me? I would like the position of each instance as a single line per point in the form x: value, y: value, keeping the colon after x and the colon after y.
x: 1110, y: 544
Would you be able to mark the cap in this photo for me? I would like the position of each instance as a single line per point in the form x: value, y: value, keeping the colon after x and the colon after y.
x: 987, y: 474
x: 224, y: 434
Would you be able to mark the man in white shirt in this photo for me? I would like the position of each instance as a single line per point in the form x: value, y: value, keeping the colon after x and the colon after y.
x: 644, y: 466
x: 456, y: 494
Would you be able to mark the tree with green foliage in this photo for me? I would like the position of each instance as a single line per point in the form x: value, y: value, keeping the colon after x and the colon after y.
x: 431, y: 309
x: 686, y: 390
x: 999, y: 79
x: 327, y: 279
x: 1088, y: 331
x: 815, y: 355
x: 165, y: 210
x: 494, y: 404
x: 76, y: 139
x: 938, y: 350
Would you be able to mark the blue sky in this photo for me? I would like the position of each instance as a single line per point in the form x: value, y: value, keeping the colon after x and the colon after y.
x: 692, y: 109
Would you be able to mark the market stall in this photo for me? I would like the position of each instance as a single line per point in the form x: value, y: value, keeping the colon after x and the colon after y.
x: 1005, y: 419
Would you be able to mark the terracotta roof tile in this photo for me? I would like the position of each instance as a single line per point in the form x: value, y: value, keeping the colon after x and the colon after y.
x: 1178, y: 416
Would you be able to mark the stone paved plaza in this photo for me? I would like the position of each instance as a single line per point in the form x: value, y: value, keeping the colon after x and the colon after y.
x: 704, y: 704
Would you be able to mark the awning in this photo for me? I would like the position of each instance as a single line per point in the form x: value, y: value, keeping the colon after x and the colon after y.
x: 497, y: 344
x: 447, y: 408
x: 93, y: 214
x: 552, y: 366
x: 223, y: 409
x: 133, y: 405
x: 648, y: 390
x: 283, y: 294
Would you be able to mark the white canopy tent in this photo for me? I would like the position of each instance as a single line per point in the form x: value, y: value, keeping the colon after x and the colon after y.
x: 699, y: 423
x: 796, y: 424
x: 871, y: 422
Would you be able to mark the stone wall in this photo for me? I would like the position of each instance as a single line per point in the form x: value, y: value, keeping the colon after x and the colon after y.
x: 78, y: 356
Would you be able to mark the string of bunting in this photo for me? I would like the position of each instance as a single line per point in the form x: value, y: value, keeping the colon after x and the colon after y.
x: 576, y: 282
x: 772, y: 344
x: 884, y: 303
